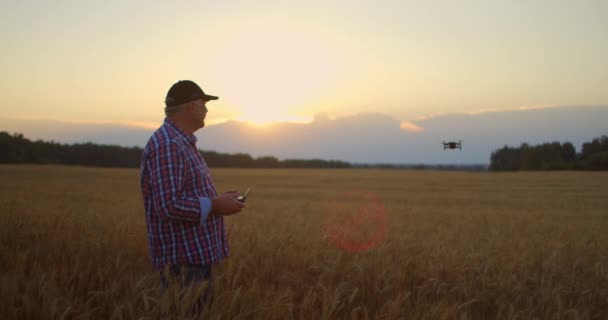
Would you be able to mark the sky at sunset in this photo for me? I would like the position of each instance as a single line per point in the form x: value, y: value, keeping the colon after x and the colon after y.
x: 112, y: 62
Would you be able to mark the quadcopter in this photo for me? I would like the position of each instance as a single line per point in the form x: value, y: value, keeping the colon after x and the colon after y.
x: 452, y: 145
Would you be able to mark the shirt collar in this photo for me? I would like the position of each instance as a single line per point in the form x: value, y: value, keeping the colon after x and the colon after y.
x: 190, y: 138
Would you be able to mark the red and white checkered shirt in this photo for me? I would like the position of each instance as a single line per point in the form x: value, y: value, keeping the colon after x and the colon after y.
x: 174, y: 180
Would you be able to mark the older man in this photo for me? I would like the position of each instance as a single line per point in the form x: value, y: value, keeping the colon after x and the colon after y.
x: 184, y: 213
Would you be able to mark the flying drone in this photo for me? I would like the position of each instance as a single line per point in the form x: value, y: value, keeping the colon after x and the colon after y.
x: 452, y: 145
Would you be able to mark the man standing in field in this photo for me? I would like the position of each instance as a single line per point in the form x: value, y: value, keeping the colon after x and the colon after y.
x: 184, y: 214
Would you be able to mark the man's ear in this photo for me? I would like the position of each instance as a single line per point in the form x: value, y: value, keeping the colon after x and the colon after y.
x: 190, y: 106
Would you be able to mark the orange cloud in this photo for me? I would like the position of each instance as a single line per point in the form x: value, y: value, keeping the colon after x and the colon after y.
x: 487, y: 110
x: 520, y: 108
x: 410, y: 126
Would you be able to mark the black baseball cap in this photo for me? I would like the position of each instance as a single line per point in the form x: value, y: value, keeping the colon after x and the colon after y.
x: 185, y: 91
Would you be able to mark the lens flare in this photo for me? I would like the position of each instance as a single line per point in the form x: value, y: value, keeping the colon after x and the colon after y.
x: 355, y: 221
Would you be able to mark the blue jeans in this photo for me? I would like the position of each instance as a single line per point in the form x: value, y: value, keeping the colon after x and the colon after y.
x: 186, y: 275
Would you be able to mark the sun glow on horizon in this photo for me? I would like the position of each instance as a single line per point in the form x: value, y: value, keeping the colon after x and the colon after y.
x: 265, y: 121
x: 268, y: 74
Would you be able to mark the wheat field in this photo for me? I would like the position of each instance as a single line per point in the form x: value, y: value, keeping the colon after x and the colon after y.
x: 444, y: 245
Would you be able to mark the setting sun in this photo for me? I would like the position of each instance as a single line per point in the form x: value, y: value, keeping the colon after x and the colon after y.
x: 271, y: 72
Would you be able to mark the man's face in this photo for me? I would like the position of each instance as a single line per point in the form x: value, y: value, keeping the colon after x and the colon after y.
x: 199, y: 112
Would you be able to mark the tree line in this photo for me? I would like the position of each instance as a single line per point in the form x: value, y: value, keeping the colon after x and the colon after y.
x: 15, y: 148
x: 552, y: 156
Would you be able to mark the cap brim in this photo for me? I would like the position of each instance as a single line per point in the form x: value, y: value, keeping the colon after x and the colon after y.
x: 208, y: 97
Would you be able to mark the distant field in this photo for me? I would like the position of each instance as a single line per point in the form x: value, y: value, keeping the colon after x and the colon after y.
x: 446, y: 245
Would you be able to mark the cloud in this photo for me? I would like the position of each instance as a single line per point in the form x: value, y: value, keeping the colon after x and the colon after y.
x: 520, y: 108
x: 146, y: 125
x: 410, y: 126
x: 431, y: 116
x: 136, y: 124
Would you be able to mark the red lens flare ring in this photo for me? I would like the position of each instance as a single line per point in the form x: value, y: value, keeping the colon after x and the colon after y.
x: 355, y: 221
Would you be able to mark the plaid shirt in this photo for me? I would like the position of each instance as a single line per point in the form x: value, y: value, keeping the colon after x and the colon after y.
x: 174, y: 180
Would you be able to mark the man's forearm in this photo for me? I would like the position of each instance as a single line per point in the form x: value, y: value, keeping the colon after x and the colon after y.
x: 214, y: 205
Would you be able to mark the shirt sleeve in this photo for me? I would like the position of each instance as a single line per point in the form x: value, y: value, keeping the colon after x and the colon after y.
x: 167, y: 167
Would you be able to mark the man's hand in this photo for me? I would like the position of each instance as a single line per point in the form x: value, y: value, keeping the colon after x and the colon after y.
x: 226, y: 204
